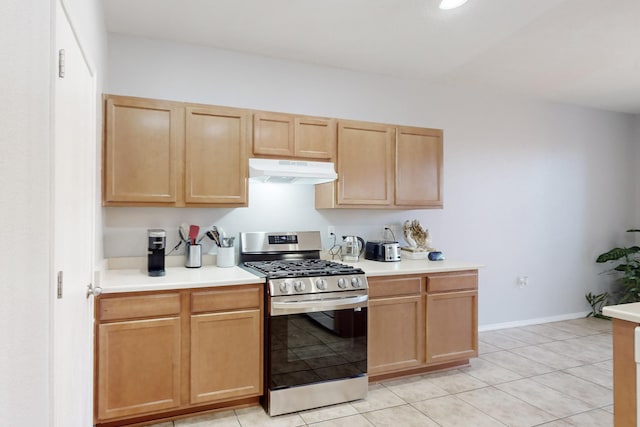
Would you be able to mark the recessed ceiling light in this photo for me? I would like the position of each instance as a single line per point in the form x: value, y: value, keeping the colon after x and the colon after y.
x: 451, y: 4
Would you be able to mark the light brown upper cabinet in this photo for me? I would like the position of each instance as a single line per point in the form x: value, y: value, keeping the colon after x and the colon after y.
x: 289, y: 136
x: 365, y: 165
x: 384, y: 166
x: 216, y: 156
x: 142, y: 151
x: 161, y: 153
x: 164, y: 153
x: 418, y: 167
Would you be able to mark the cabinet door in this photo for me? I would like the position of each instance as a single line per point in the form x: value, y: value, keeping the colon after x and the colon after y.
x: 142, y: 150
x: 216, y: 156
x: 625, y: 391
x: 138, y: 367
x: 226, y: 356
x: 418, y: 167
x: 365, y: 164
x: 396, y: 334
x: 315, y: 138
x: 273, y: 134
x: 452, y: 326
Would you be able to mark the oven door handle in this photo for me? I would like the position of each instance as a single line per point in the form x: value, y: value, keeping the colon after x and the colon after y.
x: 279, y: 308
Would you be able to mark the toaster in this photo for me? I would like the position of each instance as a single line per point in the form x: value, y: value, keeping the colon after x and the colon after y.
x: 382, y: 250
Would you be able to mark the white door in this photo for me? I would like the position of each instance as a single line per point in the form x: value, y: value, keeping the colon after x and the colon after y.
x: 73, y: 241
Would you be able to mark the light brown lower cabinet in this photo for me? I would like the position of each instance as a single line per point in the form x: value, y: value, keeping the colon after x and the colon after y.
x: 164, y: 354
x: 421, y: 322
x: 231, y: 341
x: 452, y: 328
x: 139, y: 369
x: 396, y: 331
x: 625, y: 409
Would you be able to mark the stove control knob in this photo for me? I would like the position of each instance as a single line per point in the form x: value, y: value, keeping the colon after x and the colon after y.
x: 356, y: 282
x: 342, y: 283
x: 299, y: 286
x: 321, y: 284
x: 285, y: 287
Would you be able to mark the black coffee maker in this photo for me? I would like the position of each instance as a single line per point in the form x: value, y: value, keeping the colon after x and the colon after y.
x: 155, y: 260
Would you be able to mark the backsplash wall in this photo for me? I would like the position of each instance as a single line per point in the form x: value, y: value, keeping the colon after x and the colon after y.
x: 272, y: 207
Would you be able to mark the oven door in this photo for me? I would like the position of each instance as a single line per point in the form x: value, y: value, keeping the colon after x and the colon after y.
x: 316, y: 338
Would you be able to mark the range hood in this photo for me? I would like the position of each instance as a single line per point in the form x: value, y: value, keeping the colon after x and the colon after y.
x: 291, y: 171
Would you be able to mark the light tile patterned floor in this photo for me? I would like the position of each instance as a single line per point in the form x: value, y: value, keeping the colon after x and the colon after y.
x: 554, y: 375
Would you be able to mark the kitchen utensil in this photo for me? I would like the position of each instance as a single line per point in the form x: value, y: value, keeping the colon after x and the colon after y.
x: 210, y: 235
x: 216, y: 235
x: 352, y: 248
x: 193, y: 233
x: 183, y: 230
x: 227, y: 242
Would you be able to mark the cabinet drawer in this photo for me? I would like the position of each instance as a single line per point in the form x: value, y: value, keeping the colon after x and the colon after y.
x: 139, y: 306
x: 395, y: 286
x: 224, y: 299
x: 445, y: 282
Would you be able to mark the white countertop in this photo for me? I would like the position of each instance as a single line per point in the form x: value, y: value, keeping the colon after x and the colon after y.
x: 411, y: 266
x: 629, y: 312
x: 134, y: 280
x: 137, y: 279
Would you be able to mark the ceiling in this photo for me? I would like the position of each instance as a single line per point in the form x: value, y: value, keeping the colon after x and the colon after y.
x: 581, y: 52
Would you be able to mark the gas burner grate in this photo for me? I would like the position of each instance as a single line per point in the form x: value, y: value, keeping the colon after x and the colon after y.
x: 302, y: 268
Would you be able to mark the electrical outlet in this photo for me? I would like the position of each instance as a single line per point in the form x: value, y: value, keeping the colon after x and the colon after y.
x: 388, y: 232
x: 523, y: 281
x: 331, y: 230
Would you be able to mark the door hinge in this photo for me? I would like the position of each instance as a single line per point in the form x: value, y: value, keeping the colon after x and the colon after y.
x: 61, y: 63
x: 59, y: 285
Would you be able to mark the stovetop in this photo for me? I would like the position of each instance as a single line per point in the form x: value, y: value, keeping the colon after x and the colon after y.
x: 291, y: 263
x: 302, y: 268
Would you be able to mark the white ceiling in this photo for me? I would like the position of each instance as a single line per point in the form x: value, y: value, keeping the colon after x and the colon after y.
x: 583, y: 52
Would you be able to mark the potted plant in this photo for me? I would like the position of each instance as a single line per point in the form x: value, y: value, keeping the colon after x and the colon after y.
x: 629, y: 265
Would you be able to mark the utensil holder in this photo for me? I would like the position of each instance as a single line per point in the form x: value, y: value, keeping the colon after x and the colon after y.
x: 226, y: 257
x: 193, y: 256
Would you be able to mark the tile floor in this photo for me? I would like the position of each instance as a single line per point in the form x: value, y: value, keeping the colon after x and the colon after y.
x: 554, y: 375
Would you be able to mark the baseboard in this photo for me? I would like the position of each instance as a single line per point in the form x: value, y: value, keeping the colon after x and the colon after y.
x: 537, y: 321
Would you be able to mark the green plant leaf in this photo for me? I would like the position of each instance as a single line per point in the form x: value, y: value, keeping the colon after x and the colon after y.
x: 617, y: 253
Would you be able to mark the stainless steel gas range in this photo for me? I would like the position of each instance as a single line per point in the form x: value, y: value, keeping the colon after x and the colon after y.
x: 315, y: 324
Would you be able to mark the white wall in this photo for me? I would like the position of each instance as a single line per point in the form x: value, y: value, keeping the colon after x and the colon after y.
x: 530, y: 188
x: 636, y: 178
x: 24, y: 212
x: 25, y: 195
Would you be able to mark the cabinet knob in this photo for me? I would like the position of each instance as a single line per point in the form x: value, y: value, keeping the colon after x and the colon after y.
x: 93, y: 291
